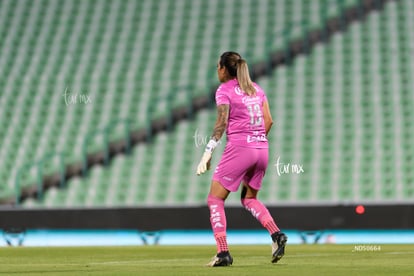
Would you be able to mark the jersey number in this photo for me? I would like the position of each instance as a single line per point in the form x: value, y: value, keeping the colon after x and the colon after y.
x: 255, y: 113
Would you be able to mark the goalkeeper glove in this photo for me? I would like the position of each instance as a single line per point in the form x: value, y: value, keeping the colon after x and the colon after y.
x: 204, y: 164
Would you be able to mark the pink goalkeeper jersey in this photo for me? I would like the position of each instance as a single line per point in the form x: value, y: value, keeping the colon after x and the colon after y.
x: 246, y: 123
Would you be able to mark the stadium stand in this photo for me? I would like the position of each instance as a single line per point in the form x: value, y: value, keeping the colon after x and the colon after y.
x: 342, y: 110
x: 74, y: 66
x: 332, y: 107
x: 69, y: 67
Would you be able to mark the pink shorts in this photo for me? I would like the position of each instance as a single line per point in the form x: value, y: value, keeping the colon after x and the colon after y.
x: 241, y: 164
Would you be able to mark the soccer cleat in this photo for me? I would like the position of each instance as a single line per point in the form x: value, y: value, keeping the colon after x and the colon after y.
x: 278, y: 246
x: 221, y: 259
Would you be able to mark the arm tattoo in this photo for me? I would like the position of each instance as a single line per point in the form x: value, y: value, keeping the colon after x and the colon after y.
x: 221, y: 122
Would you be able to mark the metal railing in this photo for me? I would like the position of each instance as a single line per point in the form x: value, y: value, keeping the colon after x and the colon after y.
x: 39, y: 168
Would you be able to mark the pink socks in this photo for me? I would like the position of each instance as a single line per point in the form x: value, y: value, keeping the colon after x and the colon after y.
x: 218, y: 222
x: 260, y: 212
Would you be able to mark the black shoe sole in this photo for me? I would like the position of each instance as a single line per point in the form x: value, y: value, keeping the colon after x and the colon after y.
x: 223, y: 264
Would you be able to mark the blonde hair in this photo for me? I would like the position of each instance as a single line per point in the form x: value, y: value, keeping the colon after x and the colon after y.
x: 243, y: 77
x: 237, y: 67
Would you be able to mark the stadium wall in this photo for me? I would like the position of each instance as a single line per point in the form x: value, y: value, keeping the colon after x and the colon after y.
x: 154, y: 219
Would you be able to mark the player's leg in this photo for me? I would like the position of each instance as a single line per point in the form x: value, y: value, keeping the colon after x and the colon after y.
x: 257, y: 209
x: 262, y: 214
x: 227, y: 178
x: 251, y: 186
x: 215, y: 202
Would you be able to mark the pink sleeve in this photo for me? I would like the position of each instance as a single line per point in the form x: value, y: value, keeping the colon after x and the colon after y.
x: 221, y: 96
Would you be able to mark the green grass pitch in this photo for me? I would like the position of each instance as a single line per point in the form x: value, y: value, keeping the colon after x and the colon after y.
x: 190, y: 260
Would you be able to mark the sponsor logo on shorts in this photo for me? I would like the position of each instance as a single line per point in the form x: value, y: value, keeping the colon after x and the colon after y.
x: 227, y: 178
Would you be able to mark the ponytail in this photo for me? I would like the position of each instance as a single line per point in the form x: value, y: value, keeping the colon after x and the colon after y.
x: 237, y: 68
x: 243, y: 77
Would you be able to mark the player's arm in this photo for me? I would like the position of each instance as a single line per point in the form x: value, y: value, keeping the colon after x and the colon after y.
x: 219, y: 128
x: 221, y: 122
x: 268, y: 121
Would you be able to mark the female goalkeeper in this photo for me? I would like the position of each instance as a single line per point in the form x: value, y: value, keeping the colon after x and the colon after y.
x: 243, y: 112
